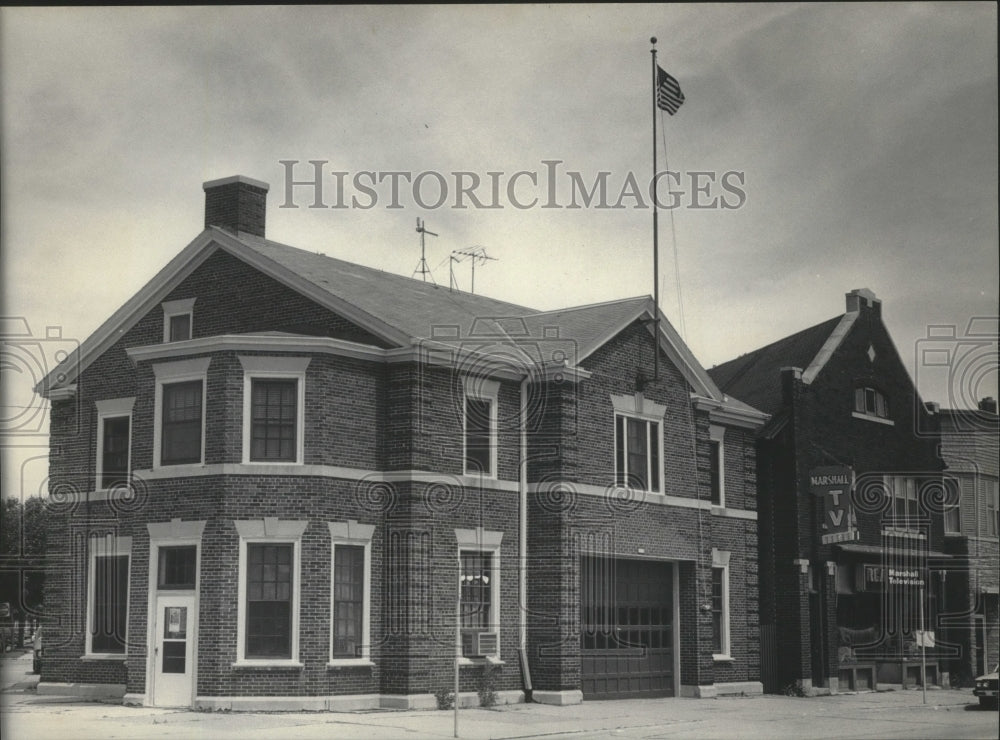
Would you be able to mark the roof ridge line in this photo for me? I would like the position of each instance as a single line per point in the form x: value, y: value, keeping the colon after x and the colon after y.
x: 271, y: 242
x: 594, y: 305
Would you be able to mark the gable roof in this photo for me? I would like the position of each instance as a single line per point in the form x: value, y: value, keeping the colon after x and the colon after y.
x: 411, y: 306
x: 755, y: 377
x: 401, y: 311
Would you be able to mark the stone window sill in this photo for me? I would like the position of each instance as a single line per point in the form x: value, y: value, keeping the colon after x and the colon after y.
x: 870, y: 417
x: 105, y: 656
x: 491, y: 660
x: 338, y: 664
x: 268, y: 665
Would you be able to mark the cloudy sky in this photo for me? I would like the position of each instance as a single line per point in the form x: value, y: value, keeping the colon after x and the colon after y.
x: 865, y: 137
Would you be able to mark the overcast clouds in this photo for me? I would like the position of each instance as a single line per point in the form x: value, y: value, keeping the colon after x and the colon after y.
x: 867, y: 135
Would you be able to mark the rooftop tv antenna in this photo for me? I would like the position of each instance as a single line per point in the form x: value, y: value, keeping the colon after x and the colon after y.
x: 422, y: 267
x: 476, y: 254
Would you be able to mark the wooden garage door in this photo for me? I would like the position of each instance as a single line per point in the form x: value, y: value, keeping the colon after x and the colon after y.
x: 626, y: 639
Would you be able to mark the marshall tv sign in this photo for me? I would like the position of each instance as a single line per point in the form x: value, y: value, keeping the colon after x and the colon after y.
x: 834, y: 485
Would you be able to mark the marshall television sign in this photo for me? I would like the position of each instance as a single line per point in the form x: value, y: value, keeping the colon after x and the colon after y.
x: 835, y: 484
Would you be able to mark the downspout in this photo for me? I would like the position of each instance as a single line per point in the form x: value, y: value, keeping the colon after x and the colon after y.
x: 522, y: 541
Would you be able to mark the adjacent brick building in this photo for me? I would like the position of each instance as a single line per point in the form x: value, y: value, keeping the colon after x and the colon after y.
x: 282, y: 480
x: 852, y: 542
x: 970, y: 446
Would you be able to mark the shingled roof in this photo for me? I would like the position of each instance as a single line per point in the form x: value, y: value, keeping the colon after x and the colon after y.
x: 400, y: 310
x: 755, y: 377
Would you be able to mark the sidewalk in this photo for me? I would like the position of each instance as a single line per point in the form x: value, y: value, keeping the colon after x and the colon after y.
x: 897, y: 714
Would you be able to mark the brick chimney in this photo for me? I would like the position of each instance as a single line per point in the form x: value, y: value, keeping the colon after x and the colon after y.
x: 862, y: 297
x: 236, y: 204
x: 989, y: 405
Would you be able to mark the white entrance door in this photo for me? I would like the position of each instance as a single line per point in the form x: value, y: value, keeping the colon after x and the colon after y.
x: 173, y: 653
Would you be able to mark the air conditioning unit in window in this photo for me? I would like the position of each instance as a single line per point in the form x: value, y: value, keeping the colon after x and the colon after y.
x: 480, y: 644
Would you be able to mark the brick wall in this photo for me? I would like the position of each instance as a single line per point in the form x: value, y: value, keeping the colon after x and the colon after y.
x: 820, y: 430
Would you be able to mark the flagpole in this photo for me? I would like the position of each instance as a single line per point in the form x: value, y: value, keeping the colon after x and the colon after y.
x: 656, y: 237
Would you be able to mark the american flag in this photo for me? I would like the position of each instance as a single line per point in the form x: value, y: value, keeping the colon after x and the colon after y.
x: 668, y: 92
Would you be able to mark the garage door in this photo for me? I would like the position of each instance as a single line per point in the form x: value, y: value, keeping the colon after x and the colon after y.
x: 627, y: 639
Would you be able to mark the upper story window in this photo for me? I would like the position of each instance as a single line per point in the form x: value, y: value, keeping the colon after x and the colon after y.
x: 637, y: 453
x: 903, y: 512
x: 178, y: 319
x: 182, y: 419
x: 273, y: 420
x: 992, y: 507
x: 179, y: 423
x: 717, y: 463
x: 952, y: 506
x: 871, y: 404
x: 273, y: 408
x: 114, y: 421
x: 479, y: 426
x: 638, y: 443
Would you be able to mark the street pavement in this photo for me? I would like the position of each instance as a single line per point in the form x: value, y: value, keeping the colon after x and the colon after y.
x: 892, y: 714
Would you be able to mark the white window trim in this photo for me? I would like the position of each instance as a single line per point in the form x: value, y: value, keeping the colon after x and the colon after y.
x: 639, y: 407
x: 177, y: 308
x: 168, y: 373
x: 274, y: 368
x: 867, y: 416
x: 352, y: 533
x: 483, y: 390
x: 484, y: 541
x: 278, y: 532
x: 872, y: 417
x: 888, y: 481
x: 108, y: 546
x: 112, y: 408
x: 717, y: 434
x: 952, y: 485
x: 720, y: 560
x: 991, y: 503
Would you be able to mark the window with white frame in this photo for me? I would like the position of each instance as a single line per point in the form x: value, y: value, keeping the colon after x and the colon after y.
x: 638, y: 440
x: 717, y: 464
x: 269, y: 593
x: 952, y: 505
x: 870, y: 402
x: 350, y: 632
x: 179, y: 413
x: 273, y: 409
x: 720, y: 603
x: 903, y: 511
x: 178, y: 320
x: 992, y: 507
x: 479, y: 426
x: 107, y: 596
x: 114, y: 422
x: 479, y: 581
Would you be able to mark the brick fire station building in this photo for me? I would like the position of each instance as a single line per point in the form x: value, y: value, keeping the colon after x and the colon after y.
x: 282, y: 480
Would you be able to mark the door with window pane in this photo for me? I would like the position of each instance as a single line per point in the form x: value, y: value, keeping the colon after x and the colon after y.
x: 173, y: 653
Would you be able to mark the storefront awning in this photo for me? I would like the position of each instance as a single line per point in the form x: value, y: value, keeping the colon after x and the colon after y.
x: 876, y: 552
